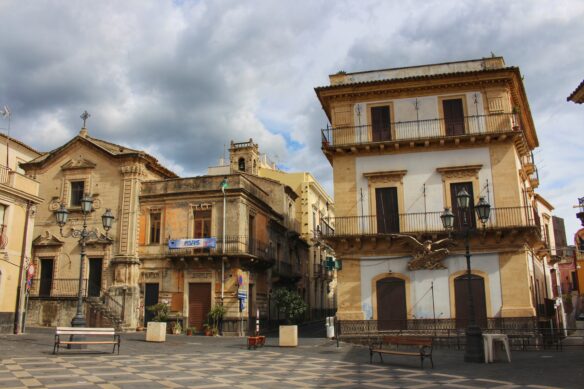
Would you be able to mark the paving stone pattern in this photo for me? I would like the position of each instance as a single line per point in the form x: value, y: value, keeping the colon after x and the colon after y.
x: 230, y: 369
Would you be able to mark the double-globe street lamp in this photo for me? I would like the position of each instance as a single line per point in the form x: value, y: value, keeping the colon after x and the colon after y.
x: 474, y: 337
x: 84, y: 235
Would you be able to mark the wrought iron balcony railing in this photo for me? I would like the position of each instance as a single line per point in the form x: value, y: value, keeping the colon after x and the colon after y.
x: 420, y: 130
x: 426, y: 222
x: 234, y: 245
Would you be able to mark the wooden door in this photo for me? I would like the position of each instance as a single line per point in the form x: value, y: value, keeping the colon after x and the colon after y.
x: 461, y: 298
x: 150, y: 298
x: 380, y: 124
x: 453, y: 117
x: 387, y: 210
x: 462, y: 219
x: 251, y: 310
x: 199, y: 304
x: 95, y: 270
x: 46, y: 281
x: 391, y: 304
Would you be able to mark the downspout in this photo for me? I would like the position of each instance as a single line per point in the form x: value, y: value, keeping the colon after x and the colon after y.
x: 19, y: 304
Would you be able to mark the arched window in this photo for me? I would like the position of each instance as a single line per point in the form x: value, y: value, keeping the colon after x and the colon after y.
x: 241, y: 164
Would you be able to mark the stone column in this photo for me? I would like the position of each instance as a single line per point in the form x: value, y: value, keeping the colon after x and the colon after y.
x: 126, y: 263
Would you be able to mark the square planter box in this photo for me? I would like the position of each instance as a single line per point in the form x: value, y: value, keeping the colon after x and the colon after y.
x: 156, y: 332
x: 288, y: 336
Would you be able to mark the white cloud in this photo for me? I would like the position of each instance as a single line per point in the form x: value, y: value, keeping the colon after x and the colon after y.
x: 181, y: 79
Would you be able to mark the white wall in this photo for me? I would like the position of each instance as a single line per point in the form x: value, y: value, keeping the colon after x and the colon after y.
x: 421, y: 281
x: 421, y: 169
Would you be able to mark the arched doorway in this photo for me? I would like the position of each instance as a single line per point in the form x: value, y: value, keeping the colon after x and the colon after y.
x: 391, y: 303
x: 461, y: 300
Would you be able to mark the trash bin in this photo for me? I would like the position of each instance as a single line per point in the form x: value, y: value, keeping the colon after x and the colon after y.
x: 330, y: 327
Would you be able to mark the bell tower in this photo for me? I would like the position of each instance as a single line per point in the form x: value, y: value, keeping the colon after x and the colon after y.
x: 244, y: 157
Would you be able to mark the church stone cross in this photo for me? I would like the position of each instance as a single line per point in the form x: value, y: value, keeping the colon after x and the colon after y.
x: 85, y: 115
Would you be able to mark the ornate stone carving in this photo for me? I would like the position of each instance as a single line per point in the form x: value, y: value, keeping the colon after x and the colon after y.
x: 386, y: 177
x: 459, y: 171
x: 427, y: 255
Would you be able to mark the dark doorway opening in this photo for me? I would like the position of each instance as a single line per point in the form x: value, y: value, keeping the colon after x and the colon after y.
x: 150, y: 298
x: 95, y: 270
x: 46, y: 282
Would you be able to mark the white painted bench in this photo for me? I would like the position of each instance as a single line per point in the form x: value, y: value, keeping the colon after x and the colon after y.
x: 66, y: 336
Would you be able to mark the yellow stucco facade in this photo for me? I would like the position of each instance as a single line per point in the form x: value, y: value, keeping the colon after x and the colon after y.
x: 418, y: 133
x: 19, y: 197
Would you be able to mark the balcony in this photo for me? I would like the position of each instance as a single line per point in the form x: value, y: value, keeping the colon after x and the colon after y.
x: 428, y: 222
x: 18, y: 181
x: 56, y: 288
x: 286, y: 270
x: 239, y: 245
x: 421, y: 133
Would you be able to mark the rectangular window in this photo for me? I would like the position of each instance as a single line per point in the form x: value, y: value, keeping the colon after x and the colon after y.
x: 155, y: 218
x: 77, y: 190
x: 202, y: 224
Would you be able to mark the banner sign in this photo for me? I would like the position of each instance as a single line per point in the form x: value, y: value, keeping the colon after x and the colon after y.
x: 192, y: 243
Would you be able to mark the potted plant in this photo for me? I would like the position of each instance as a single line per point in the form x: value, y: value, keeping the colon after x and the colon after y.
x: 191, y: 330
x: 207, y: 330
x: 293, y: 307
x: 177, y: 328
x: 156, y: 329
x: 215, y: 316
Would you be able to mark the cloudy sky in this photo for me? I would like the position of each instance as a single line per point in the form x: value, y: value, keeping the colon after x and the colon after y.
x: 181, y: 79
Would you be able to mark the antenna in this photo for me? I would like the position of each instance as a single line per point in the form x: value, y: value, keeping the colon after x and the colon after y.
x: 5, y: 112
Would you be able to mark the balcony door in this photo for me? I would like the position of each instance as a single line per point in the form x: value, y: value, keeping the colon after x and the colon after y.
x: 453, y: 117
x: 387, y: 210
x: 380, y: 123
x: 391, y: 304
x: 461, y: 298
x: 462, y: 219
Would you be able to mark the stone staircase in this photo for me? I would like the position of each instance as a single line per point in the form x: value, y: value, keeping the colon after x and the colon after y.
x: 102, y: 314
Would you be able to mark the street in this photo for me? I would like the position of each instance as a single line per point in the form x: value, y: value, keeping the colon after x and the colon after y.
x: 224, y: 362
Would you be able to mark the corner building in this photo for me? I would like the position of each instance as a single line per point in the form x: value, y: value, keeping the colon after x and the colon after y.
x: 402, y: 143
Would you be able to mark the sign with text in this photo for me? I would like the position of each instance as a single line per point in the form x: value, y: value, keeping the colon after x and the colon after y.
x: 199, y: 243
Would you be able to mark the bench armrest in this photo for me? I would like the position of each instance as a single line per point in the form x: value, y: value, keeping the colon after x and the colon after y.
x: 426, y: 351
x: 375, y: 345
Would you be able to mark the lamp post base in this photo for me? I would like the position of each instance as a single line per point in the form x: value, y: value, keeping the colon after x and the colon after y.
x: 78, y: 321
x: 474, y: 351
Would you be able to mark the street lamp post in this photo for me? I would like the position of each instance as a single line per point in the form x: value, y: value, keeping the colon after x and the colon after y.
x: 83, y: 234
x: 474, y: 337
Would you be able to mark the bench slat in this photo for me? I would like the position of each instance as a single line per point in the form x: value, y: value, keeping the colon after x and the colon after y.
x: 83, y: 342
x: 85, y: 333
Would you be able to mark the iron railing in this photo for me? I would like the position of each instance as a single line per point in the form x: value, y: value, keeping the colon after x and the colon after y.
x: 507, y: 217
x: 57, y: 287
x: 285, y: 269
x: 421, y: 130
x: 234, y: 245
x: 4, y: 174
x: 114, y: 304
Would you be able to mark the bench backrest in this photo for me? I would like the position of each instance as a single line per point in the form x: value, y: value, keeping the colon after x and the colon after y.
x: 408, y: 340
x: 84, y: 331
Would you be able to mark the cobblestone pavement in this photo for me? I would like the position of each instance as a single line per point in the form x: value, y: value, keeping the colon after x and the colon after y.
x: 213, y: 362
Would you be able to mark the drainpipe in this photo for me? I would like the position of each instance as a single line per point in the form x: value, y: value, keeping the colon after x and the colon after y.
x: 18, y: 322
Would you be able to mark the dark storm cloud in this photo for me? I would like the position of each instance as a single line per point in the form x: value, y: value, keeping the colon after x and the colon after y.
x: 182, y: 79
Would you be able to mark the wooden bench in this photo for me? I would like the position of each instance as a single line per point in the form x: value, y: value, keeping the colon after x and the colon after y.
x: 416, y: 347
x: 255, y: 341
x: 76, y: 336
